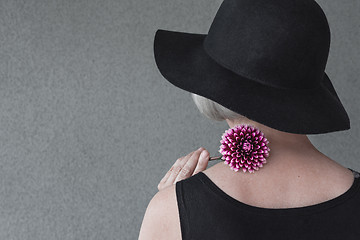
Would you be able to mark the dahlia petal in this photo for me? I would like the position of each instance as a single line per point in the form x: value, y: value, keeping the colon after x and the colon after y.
x: 244, y: 146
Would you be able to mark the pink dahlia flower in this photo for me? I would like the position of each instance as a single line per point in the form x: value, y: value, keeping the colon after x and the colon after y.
x: 245, y: 147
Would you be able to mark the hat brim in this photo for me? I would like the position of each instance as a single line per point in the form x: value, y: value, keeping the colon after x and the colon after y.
x: 182, y: 60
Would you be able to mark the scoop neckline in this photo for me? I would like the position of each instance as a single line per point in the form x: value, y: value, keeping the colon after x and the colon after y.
x: 305, y: 210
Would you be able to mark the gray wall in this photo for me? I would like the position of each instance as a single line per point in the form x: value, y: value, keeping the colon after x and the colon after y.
x: 88, y: 126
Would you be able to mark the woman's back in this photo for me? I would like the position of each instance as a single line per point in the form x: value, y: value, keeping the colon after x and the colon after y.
x: 217, y: 204
x: 287, y: 188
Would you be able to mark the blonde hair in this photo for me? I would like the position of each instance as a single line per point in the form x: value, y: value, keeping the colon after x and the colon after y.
x: 214, y: 110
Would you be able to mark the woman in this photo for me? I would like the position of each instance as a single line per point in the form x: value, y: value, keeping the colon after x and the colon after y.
x: 261, y: 64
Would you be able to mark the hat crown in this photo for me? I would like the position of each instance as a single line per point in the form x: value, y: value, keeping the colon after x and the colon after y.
x: 279, y: 43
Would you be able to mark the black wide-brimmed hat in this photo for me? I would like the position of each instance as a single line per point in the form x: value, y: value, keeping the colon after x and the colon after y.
x: 262, y: 59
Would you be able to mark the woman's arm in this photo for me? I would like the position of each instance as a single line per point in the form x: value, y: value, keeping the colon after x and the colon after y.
x: 161, y: 219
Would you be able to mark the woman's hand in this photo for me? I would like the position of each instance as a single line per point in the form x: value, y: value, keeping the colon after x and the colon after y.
x: 185, y: 167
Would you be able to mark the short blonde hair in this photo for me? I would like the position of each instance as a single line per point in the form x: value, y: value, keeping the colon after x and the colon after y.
x: 214, y: 110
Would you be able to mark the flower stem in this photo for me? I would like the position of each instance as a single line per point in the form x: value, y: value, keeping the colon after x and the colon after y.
x: 215, y: 158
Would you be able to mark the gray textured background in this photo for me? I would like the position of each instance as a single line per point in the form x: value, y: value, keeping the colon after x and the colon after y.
x: 88, y: 126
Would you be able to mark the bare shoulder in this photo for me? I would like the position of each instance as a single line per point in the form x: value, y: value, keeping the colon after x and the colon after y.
x: 161, y: 219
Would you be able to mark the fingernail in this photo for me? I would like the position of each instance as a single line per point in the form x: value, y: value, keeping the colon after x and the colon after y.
x: 203, y: 154
x: 200, y: 148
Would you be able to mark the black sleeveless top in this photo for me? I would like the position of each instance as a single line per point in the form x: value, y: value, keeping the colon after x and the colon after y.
x: 207, y: 212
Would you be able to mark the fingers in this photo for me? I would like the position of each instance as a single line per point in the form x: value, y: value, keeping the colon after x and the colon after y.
x: 174, y: 170
x: 163, y: 180
x: 179, y: 167
x: 185, y: 167
x: 188, y: 168
x: 203, y: 162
